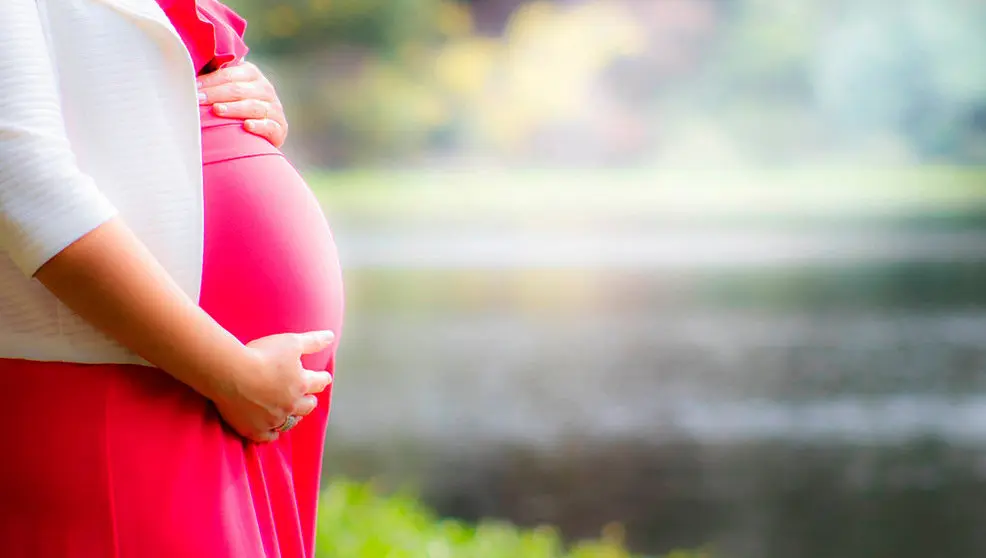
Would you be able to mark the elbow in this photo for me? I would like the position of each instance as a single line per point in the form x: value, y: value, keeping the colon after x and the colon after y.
x: 37, y: 222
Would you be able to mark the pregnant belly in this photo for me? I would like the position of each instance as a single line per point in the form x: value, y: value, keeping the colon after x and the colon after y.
x: 270, y: 262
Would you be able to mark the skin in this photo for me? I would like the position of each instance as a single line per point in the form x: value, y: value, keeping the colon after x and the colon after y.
x: 242, y: 92
x: 112, y: 281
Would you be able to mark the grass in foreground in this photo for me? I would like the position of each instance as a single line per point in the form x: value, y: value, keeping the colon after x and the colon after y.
x: 356, y: 522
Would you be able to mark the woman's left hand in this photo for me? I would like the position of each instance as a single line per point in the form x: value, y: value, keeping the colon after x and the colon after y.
x: 243, y: 92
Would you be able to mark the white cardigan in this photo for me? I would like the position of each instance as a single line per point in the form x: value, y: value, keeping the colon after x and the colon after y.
x: 98, y: 117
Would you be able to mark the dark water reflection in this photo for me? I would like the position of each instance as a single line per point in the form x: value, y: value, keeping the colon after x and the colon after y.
x: 766, y: 499
x: 814, y: 415
x: 758, y: 499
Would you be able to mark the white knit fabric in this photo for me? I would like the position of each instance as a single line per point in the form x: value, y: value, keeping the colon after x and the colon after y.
x: 98, y: 117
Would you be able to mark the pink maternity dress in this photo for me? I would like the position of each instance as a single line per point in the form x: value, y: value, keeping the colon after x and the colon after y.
x: 119, y: 461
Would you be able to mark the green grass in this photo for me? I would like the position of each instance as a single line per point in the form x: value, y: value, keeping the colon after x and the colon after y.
x: 790, y: 196
x: 355, y: 521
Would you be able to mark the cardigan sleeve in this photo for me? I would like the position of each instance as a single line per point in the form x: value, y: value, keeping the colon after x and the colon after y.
x: 46, y: 201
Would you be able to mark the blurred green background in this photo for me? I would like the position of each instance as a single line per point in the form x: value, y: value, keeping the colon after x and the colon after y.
x: 627, y: 82
x: 702, y: 274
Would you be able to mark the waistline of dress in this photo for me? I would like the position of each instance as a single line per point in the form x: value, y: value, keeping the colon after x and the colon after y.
x: 224, y: 139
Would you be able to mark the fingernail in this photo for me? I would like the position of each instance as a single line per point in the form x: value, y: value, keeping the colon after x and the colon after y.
x: 250, y: 125
x: 220, y: 108
x: 199, y: 83
x: 203, y: 98
x: 326, y: 335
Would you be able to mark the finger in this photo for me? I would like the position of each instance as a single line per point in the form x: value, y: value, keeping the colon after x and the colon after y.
x: 250, y: 108
x: 315, y: 341
x: 305, y: 406
x: 316, y: 382
x: 229, y: 74
x: 236, y: 91
x: 268, y: 129
x: 265, y: 437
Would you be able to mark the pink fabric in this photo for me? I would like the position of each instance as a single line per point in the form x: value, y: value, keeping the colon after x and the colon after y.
x: 113, y: 461
x: 213, y: 33
x: 271, y: 266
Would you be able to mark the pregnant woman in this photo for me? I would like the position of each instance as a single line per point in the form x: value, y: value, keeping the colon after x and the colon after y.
x: 169, y: 289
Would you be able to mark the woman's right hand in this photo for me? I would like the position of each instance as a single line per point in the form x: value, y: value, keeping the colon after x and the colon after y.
x: 273, y: 385
x: 112, y: 280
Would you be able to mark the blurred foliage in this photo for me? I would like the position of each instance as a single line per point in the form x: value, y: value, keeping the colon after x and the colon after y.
x: 354, y: 521
x: 384, y: 79
x: 627, y: 81
x: 295, y: 26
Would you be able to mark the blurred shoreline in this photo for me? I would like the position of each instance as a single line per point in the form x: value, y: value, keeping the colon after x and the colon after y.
x: 857, y: 196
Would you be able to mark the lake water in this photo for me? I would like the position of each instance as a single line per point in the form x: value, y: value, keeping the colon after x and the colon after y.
x: 767, y: 395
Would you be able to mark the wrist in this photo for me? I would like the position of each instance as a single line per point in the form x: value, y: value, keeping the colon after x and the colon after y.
x: 218, y: 367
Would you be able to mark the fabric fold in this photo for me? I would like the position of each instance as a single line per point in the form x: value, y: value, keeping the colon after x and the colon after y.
x: 212, y: 32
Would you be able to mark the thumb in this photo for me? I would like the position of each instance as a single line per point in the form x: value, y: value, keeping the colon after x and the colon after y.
x: 315, y: 341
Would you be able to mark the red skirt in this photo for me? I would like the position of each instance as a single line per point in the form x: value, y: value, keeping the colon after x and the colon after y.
x: 124, y: 461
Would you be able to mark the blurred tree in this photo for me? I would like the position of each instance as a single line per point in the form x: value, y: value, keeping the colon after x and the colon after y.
x: 596, y: 81
x: 915, y: 74
x: 298, y: 26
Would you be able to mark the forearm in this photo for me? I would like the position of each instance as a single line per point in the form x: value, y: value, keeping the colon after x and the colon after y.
x: 112, y: 281
x: 58, y: 226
